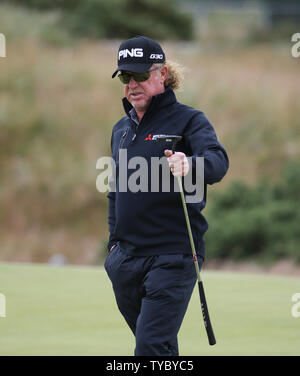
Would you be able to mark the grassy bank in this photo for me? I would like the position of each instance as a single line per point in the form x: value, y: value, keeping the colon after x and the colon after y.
x: 58, y: 104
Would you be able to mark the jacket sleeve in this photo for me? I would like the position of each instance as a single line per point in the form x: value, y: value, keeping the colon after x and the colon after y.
x: 111, y: 211
x: 111, y: 219
x: 202, y: 140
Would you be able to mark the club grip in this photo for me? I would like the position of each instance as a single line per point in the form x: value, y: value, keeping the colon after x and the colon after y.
x: 207, y: 323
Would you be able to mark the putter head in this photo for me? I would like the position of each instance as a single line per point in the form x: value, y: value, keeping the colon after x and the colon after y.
x: 167, y: 138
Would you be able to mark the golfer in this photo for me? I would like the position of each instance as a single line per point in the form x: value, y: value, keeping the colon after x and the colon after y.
x: 149, y: 259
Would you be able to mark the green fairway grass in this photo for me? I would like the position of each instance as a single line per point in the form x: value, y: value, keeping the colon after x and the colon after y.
x: 71, y: 311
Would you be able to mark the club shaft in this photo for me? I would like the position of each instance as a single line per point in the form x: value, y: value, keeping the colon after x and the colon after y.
x: 189, y: 229
x: 204, y: 308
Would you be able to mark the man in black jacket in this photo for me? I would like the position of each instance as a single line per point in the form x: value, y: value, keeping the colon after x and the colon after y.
x: 150, y: 260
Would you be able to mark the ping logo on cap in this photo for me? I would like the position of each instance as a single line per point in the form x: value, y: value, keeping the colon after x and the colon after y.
x: 134, y: 52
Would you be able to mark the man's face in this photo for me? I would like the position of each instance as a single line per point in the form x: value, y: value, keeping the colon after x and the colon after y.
x: 139, y: 94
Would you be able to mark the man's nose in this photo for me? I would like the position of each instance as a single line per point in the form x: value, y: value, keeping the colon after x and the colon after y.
x: 132, y: 83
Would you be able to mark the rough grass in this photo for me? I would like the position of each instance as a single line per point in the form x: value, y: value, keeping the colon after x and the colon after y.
x: 58, y: 104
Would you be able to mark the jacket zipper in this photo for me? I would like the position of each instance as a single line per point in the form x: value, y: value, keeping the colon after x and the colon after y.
x: 122, y: 140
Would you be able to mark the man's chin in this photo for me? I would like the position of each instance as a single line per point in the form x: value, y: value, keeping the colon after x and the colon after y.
x: 139, y: 105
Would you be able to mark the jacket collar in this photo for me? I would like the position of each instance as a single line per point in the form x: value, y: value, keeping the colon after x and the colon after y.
x: 157, y: 102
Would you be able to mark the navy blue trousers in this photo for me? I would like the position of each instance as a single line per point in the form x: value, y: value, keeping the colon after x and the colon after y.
x: 152, y: 293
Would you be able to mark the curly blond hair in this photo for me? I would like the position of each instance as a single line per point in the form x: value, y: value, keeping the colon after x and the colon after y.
x: 175, y: 74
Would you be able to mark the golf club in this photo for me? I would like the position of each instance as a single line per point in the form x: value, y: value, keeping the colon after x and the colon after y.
x: 207, y: 323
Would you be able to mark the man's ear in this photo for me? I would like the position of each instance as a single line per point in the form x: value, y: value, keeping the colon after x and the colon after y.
x: 164, y: 73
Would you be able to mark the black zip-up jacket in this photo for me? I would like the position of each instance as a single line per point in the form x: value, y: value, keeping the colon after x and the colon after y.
x: 152, y: 223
